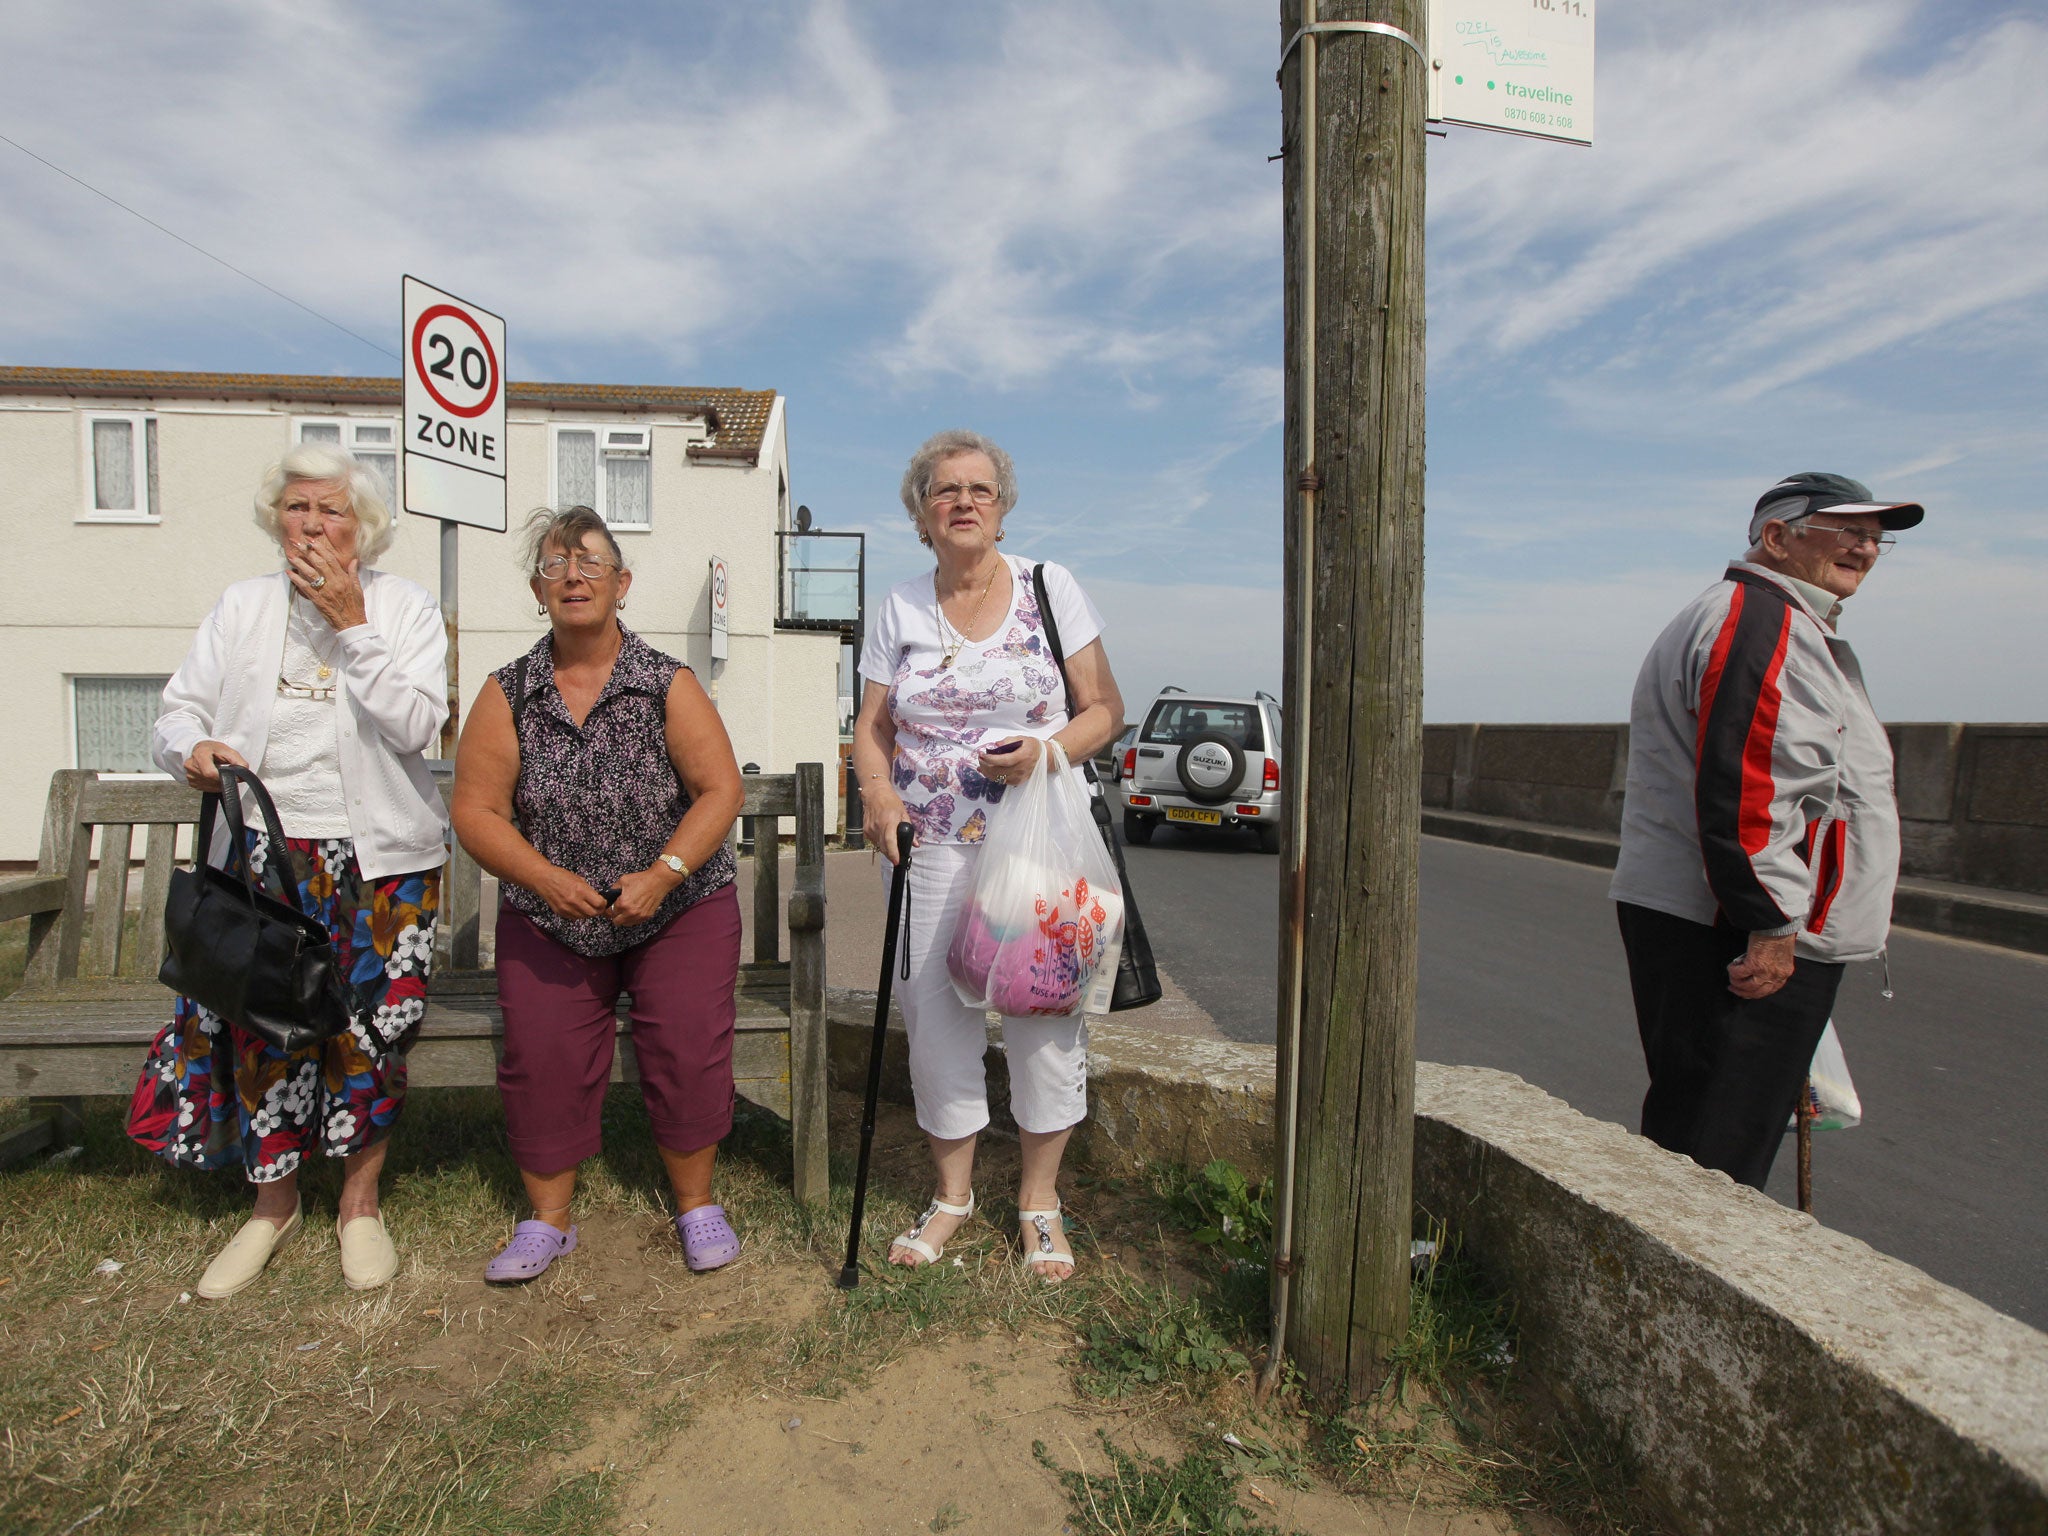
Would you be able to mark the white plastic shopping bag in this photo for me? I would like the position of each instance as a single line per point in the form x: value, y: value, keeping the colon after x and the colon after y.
x: 1830, y: 1096
x: 1045, y: 918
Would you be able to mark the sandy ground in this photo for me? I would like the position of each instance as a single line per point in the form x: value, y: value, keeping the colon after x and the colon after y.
x: 937, y: 1439
x: 943, y: 1441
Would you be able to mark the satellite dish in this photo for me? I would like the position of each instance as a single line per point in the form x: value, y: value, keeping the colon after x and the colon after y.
x: 803, y: 519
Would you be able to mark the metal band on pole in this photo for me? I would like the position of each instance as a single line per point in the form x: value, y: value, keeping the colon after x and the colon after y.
x: 1380, y: 27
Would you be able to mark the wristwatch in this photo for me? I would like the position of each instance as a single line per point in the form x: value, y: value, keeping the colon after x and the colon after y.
x: 676, y: 864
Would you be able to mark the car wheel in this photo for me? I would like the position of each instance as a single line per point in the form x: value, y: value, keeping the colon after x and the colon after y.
x: 1269, y: 838
x: 1209, y: 767
x: 1138, y: 829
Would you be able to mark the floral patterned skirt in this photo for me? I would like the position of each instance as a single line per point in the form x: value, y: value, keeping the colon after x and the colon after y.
x: 212, y: 1094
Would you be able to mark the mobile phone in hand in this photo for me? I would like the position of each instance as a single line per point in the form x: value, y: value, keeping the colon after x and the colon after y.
x: 1007, y: 747
x: 610, y: 894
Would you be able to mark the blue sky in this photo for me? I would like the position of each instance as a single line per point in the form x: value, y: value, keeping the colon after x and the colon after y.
x: 1810, y: 236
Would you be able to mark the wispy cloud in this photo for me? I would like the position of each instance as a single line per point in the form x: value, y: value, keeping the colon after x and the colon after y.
x: 1778, y: 191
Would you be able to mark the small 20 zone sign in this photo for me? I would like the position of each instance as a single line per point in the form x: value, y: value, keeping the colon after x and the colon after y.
x: 454, y: 408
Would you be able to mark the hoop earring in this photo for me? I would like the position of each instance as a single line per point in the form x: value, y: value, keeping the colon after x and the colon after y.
x: 619, y: 606
x: 999, y: 535
x: 540, y: 610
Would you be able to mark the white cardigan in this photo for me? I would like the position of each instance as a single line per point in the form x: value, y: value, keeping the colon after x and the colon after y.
x: 393, y: 681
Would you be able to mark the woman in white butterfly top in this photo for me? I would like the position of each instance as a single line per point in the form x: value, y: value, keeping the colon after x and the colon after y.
x: 957, y: 665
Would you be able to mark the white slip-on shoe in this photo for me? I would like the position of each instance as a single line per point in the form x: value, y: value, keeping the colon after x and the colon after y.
x: 368, y: 1258
x: 238, y: 1264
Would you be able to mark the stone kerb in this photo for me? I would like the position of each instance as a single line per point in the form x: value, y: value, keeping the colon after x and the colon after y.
x: 1766, y: 1374
x: 1152, y: 1097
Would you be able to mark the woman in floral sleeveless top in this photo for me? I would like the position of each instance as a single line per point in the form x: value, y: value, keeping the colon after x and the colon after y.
x: 595, y: 780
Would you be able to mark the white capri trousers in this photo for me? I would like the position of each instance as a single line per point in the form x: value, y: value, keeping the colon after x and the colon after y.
x: 1048, y: 1058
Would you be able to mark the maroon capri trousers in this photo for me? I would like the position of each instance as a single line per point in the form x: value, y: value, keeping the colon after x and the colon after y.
x: 560, y: 1023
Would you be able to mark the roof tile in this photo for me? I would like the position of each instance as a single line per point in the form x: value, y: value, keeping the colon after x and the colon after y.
x: 738, y: 418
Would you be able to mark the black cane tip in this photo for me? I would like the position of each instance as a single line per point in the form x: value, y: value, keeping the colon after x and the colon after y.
x: 849, y: 1277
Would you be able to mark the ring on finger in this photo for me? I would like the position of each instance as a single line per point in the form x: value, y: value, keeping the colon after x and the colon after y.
x: 319, y: 581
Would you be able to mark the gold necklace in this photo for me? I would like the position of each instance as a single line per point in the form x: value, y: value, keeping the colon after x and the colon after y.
x: 959, y: 635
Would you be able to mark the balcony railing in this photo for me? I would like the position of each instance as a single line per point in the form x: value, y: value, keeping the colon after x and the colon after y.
x: 822, y: 580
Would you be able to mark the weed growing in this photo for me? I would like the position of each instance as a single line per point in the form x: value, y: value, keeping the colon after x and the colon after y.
x: 1147, y: 1496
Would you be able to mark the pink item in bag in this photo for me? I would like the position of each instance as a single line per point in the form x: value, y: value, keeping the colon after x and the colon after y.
x: 1045, y: 911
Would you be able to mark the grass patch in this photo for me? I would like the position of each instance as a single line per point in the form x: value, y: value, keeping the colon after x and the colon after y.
x: 307, y: 1407
x: 1147, y: 1496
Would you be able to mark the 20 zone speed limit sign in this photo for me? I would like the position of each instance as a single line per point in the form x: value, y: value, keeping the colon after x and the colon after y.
x: 454, y: 409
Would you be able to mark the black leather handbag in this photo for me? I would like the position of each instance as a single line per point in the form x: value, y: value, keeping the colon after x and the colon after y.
x: 234, y: 948
x: 1137, y: 976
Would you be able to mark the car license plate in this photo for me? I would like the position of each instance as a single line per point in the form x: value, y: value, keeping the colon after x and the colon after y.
x: 1206, y: 818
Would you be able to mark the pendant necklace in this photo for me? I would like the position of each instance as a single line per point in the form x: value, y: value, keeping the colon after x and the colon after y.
x: 959, y: 637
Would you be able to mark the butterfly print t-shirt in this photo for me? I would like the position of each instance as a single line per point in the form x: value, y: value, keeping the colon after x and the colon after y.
x: 1006, y: 685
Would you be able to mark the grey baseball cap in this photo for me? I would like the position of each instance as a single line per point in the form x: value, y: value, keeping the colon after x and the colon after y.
x: 1813, y: 491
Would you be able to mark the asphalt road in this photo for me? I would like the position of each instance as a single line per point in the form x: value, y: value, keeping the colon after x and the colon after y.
x: 1521, y: 969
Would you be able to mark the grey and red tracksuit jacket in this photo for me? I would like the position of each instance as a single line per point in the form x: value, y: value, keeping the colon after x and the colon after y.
x: 1759, y: 777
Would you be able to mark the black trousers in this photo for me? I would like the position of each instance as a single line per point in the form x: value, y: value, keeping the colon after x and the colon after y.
x: 1725, y: 1072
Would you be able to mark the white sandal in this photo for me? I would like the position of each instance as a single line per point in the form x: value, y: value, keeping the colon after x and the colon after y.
x: 914, y: 1238
x: 1038, y: 1248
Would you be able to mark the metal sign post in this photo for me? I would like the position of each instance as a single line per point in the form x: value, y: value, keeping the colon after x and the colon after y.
x: 721, y: 617
x: 454, y: 434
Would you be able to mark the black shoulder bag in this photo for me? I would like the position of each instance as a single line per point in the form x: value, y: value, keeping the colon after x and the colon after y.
x: 1137, y: 977
x: 235, y: 949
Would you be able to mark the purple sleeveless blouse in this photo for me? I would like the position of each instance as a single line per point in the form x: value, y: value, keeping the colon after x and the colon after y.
x: 601, y: 801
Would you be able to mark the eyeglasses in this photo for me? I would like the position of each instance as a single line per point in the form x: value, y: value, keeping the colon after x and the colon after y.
x: 980, y: 492
x: 306, y: 512
x: 1853, y: 538
x: 590, y: 567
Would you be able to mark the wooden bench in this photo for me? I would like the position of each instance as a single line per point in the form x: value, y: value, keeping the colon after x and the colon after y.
x: 90, y: 1003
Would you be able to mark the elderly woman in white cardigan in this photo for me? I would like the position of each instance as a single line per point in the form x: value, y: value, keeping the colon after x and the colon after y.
x: 330, y: 680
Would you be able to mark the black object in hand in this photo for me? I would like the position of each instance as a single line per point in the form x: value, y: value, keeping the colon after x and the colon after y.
x: 999, y: 751
x: 610, y: 894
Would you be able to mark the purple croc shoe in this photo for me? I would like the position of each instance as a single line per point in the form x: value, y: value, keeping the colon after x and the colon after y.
x: 708, y: 1238
x: 534, y: 1246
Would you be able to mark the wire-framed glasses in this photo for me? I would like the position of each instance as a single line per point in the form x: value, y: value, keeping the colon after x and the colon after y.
x: 980, y: 492
x: 589, y: 567
x: 1854, y: 538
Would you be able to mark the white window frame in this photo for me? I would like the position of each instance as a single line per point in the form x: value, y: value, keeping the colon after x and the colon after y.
x: 350, y: 427
x: 71, y: 682
x: 609, y: 435
x: 140, y: 424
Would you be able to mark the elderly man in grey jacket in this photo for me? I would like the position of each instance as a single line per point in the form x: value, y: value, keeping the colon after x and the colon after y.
x: 1759, y: 833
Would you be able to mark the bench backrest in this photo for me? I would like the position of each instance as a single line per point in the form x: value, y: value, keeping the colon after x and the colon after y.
x: 72, y: 937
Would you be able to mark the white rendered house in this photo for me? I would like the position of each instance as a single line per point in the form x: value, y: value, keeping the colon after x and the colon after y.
x: 127, y: 498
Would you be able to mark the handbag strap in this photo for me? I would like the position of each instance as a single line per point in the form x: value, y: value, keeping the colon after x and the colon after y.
x: 231, y: 808
x: 1097, y: 804
x: 1052, y: 631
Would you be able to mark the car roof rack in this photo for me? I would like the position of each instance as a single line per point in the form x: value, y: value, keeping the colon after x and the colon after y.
x: 1173, y: 688
x: 1261, y: 693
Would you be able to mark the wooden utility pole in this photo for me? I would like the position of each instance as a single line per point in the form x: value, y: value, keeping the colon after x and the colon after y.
x: 1353, y: 109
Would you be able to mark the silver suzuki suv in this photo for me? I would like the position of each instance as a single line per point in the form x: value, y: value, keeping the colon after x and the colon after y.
x: 1205, y: 762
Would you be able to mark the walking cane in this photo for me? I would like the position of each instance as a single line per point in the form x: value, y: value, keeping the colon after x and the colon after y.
x: 1805, y: 1145
x: 849, y: 1276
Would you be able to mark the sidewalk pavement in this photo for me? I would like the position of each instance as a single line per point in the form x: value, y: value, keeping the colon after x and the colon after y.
x: 2011, y: 919
x: 857, y: 907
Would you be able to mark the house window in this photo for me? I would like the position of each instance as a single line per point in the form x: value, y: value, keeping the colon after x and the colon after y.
x: 120, y: 468
x: 374, y: 443
x: 114, y: 717
x: 608, y: 468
